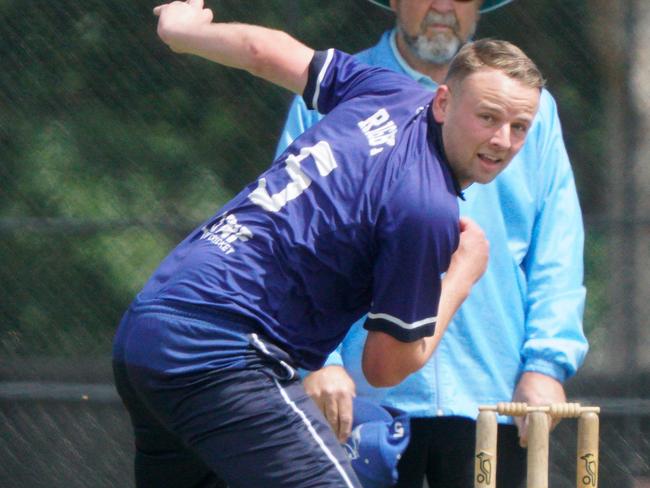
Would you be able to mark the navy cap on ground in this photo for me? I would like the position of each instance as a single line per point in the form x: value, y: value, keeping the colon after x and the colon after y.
x: 379, y: 436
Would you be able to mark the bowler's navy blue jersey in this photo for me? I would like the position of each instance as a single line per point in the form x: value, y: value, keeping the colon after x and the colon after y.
x: 358, y: 215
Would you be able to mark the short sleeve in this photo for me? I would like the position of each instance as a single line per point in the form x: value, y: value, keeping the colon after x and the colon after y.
x: 417, y: 233
x: 335, y: 77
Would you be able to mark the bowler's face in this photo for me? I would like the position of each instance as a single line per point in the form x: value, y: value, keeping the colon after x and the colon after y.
x: 485, y: 119
x: 434, y: 30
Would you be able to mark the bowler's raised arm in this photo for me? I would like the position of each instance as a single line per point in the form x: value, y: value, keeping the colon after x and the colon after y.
x: 187, y: 27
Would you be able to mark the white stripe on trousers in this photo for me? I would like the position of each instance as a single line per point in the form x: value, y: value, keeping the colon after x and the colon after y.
x: 314, y: 434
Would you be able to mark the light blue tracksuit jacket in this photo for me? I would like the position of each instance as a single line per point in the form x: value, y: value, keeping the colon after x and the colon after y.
x: 525, y: 314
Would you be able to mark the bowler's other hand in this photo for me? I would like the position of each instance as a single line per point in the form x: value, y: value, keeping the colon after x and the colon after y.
x: 536, y: 389
x: 470, y: 260
x: 333, y: 390
x: 177, y: 21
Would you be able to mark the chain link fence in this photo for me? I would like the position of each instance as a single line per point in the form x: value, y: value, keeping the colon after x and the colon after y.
x: 112, y: 148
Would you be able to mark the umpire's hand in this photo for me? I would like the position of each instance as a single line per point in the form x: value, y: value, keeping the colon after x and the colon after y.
x: 333, y: 390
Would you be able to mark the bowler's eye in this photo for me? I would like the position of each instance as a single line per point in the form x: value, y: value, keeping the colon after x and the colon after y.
x: 520, y: 128
x: 486, y: 117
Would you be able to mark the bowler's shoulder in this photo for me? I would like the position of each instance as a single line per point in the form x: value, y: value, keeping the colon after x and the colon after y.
x: 368, y: 64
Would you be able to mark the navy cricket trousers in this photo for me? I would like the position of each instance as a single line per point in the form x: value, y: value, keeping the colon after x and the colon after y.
x: 247, y: 424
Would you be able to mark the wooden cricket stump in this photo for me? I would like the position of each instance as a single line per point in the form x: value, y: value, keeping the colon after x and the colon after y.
x: 539, y: 417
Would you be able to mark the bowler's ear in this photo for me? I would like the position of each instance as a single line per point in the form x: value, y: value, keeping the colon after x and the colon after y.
x: 393, y: 5
x: 441, y: 103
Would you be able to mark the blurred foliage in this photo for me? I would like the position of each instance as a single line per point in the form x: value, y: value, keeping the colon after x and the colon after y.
x: 112, y: 147
x: 596, y: 262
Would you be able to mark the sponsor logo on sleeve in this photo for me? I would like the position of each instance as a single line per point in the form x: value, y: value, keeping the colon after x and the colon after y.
x: 225, y: 233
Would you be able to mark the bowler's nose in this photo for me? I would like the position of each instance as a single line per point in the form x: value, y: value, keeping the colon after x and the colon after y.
x: 501, y: 138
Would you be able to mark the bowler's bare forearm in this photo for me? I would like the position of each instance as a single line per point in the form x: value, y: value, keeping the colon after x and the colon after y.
x: 387, y: 361
x: 267, y: 53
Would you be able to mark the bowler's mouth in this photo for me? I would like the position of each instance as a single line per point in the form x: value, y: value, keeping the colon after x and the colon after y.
x: 490, y: 160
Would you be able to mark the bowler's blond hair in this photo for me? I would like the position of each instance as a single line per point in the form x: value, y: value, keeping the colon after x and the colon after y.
x: 500, y: 55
